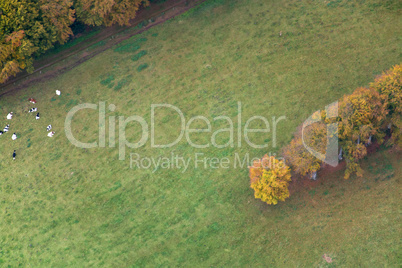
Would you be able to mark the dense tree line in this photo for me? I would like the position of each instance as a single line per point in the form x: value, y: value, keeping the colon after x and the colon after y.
x: 30, y: 27
x: 368, y: 114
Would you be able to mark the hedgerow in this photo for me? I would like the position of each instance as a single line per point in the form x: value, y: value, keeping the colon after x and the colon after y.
x: 368, y: 114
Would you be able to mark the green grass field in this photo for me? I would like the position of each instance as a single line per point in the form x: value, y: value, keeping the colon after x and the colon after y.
x: 65, y: 206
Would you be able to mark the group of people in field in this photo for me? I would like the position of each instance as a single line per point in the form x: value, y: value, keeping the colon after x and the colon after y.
x: 37, y: 117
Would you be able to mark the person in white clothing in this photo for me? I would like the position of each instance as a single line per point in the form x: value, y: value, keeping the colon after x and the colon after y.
x: 37, y: 116
x: 50, y: 134
x: 10, y: 115
x: 49, y: 127
x: 58, y: 92
x: 6, y: 128
x: 14, y: 137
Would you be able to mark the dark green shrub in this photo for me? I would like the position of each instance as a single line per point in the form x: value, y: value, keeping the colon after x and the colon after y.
x: 108, y: 80
x: 131, y: 47
x: 138, y: 56
x: 120, y: 84
x: 142, y: 67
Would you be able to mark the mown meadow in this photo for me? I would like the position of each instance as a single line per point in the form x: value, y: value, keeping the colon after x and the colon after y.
x: 66, y: 206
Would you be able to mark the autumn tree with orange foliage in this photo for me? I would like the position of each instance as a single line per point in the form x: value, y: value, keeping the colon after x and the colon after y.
x: 14, y: 51
x: 389, y: 85
x: 30, y: 27
x: 107, y: 12
x: 60, y: 15
x: 299, y: 157
x: 270, y: 179
x: 365, y: 114
x: 361, y: 116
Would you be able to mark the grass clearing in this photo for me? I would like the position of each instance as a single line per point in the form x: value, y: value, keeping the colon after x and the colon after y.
x: 65, y: 206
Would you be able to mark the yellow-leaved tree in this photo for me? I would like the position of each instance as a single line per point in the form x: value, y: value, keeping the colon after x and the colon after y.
x: 297, y: 154
x: 15, y: 54
x: 29, y: 28
x: 361, y: 116
x: 389, y: 85
x: 270, y: 179
x: 38, y: 25
x: 107, y: 12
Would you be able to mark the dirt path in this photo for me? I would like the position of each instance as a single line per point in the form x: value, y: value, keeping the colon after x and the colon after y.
x: 77, y: 54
